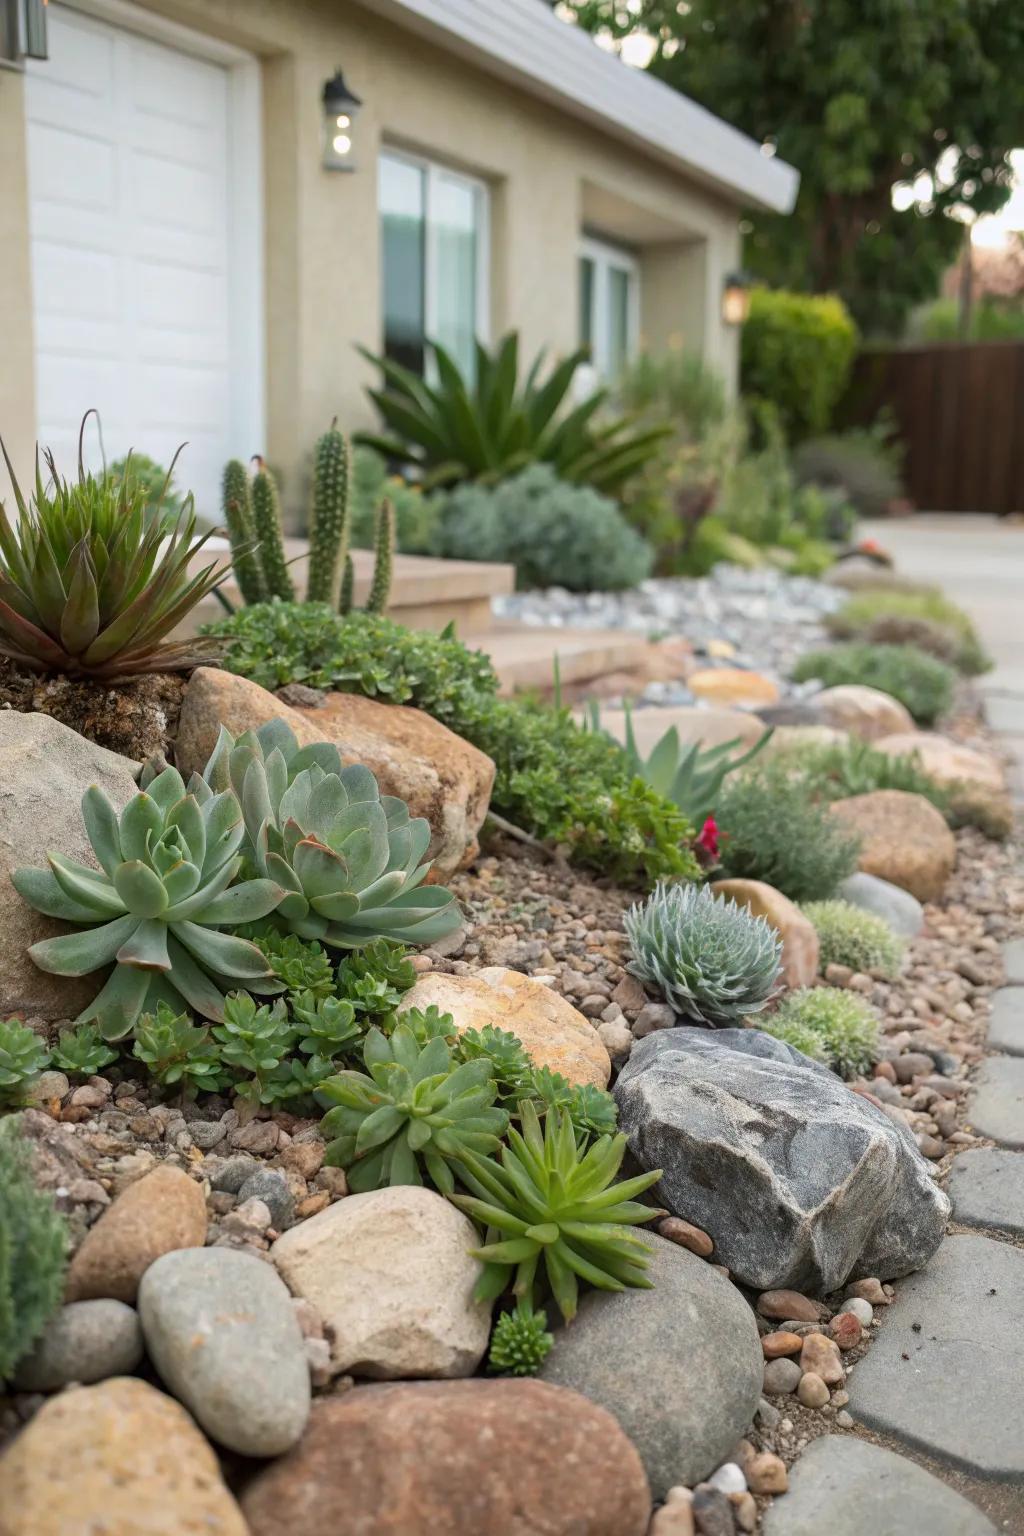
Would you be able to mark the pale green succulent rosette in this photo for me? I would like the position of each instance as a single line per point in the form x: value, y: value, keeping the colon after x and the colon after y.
x: 164, y: 890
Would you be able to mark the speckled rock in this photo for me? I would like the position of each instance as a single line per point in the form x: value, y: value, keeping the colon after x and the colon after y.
x: 865, y: 712
x: 105, y: 1458
x: 86, y: 1341
x: 391, y: 1275
x: 680, y: 1366
x: 799, y: 939
x: 160, y: 1212
x: 799, y: 1182
x: 553, y: 1032
x: 222, y: 1332
x: 943, y: 759
x: 469, y: 1458
x: 904, y: 839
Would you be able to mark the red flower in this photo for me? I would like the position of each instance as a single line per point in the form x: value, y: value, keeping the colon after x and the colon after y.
x: 708, y: 837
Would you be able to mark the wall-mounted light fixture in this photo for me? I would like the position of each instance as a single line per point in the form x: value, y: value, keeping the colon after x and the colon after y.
x: 736, y: 298
x: 22, y: 31
x: 340, y: 109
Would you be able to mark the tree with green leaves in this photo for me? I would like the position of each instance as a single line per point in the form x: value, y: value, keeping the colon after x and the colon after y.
x: 859, y: 95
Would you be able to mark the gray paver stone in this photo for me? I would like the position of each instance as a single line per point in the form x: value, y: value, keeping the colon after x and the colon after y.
x: 986, y: 1186
x: 1006, y: 1024
x: 997, y: 1107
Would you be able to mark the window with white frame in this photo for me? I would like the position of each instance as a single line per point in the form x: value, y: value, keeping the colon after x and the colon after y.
x: 609, y: 295
x: 434, y: 239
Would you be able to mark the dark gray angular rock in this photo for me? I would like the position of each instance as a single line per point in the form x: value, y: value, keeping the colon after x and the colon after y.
x: 801, y: 1183
x: 679, y: 1366
x: 997, y: 1105
x: 986, y: 1186
x: 221, y: 1330
x: 903, y: 912
x: 953, y: 1385
x: 86, y: 1341
x: 848, y: 1487
x: 1006, y: 1021
x: 271, y: 1187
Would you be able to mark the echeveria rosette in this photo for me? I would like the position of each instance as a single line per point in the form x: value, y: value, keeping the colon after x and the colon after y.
x: 350, y: 860
x: 155, y: 908
x: 548, y: 1204
x: 411, y: 1105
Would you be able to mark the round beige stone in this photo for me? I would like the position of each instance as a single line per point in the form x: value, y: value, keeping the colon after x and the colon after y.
x: 733, y: 685
x: 943, y: 759
x: 160, y: 1212
x: 799, y: 939
x: 904, y: 840
x: 865, y: 712
x: 553, y: 1033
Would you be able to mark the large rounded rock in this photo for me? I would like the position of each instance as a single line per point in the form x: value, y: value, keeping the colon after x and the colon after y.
x: 441, y: 777
x: 680, y: 1366
x: 733, y: 685
x: 553, y: 1033
x: 948, y: 761
x: 120, y: 1458
x: 391, y: 1275
x: 799, y: 939
x: 903, y: 912
x: 904, y: 839
x: 711, y: 727
x: 86, y: 1341
x: 466, y: 1458
x: 45, y: 769
x: 865, y: 712
x: 160, y: 1212
x: 801, y: 1183
x: 221, y: 1330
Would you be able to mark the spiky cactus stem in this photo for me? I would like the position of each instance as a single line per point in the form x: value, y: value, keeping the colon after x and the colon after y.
x: 266, y: 518
x: 328, y: 532
x: 348, y: 583
x: 238, y: 520
x: 383, y: 557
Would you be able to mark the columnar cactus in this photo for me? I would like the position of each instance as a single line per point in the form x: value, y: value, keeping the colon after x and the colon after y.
x: 266, y: 519
x: 383, y: 557
x: 328, y: 524
x: 348, y: 585
x: 237, y: 509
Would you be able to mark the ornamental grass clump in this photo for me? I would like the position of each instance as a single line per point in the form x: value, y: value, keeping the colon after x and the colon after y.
x: 91, y: 584
x: 842, y: 1025
x: 773, y: 828
x: 847, y: 935
x: 711, y: 960
x: 33, y: 1250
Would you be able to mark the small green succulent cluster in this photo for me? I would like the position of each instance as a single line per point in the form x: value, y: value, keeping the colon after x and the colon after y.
x: 23, y: 1056
x: 829, y: 1025
x: 520, y: 1342
x: 711, y: 960
x: 33, y: 1251
x: 847, y: 935
x: 83, y: 1051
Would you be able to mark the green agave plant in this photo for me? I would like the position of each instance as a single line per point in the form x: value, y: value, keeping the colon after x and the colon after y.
x: 546, y: 1201
x: 488, y: 429
x: 411, y: 1104
x: 165, y: 888
x: 91, y: 584
x: 350, y: 860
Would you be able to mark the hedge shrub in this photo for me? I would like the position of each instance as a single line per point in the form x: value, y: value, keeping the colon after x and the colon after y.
x: 796, y: 351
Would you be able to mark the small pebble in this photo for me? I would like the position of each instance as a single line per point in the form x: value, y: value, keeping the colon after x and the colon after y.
x: 767, y: 1474
x: 781, y: 1376
x: 712, y: 1512
x: 729, y: 1478
x: 774, y: 1345
x: 686, y: 1235
x: 870, y: 1290
x: 861, y: 1309
x: 846, y: 1330
x: 791, y: 1304
x: 821, y: 1355
x: 744, y: 1508
x: 812, y: 1391
x: 844, y: 1420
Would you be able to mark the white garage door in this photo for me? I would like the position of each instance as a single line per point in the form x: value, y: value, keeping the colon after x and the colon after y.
x: 135, y: 220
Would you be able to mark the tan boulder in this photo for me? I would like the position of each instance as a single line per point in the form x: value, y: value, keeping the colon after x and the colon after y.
x: 466, y: 1458
x: 945, y: 760
x: 553, y: 1033
x: 865, y: 712
x: 441, y: 777
x: 733, y: 685
x: 904, y: 840
x: 799, y: 940
x: 160, y: 1212
x: 121, y: 1458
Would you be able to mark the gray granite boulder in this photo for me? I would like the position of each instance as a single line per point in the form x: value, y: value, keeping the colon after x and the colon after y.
x: 679, y: 1366
x: 85, y: 1341
x: 903, y: 912
x: 801, y: 1183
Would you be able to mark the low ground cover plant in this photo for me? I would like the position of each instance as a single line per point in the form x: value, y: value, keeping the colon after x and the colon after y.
x: 829, y: 1025
x: 921, y: 682
x: 847, y: 935
x: 928, y: 620
x: 772, y: 828
x: 33, y: 1250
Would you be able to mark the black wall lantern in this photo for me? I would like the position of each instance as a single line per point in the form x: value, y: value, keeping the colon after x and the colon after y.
x: 340, y: 109
x: 22, y: 31
x: 736, y: 298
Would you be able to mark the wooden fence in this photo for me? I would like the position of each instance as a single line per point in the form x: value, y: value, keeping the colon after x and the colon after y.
x: 960, y: 412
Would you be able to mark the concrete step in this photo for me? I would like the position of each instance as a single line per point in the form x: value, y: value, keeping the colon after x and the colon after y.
x: 524, y: 654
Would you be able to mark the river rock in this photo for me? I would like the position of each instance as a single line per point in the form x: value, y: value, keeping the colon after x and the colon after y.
x: 86, y: 1341
x: 469, y: 1458
x: 799, y: 1182
x: 865, y: 712
x: 554, y: 1033
x: 221, y: 1330
x: 116, y: 1458
x: 391, y: 1274
x: 948, y: 761
x: 441, y: 777
x: 904, y: 839
x: 160, y: 1212
x: 45, y: 769
x: 903, y: 912
x: 680, y: 1366
x: 799, y: 939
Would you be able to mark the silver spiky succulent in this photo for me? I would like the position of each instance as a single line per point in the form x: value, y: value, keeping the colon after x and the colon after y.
x: 711, y: 960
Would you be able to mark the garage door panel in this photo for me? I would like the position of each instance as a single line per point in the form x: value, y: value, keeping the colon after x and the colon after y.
x: 74, y: 385
x: 75, y: 284
x: 175, y: 394
x: 180, y: 197
x: 69, y: 168
x: 186, y: 300
x: 181, y: 143
x: 81, y: 55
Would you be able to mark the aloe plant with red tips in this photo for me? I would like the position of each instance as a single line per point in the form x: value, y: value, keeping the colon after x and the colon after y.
x: 91, y: 584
